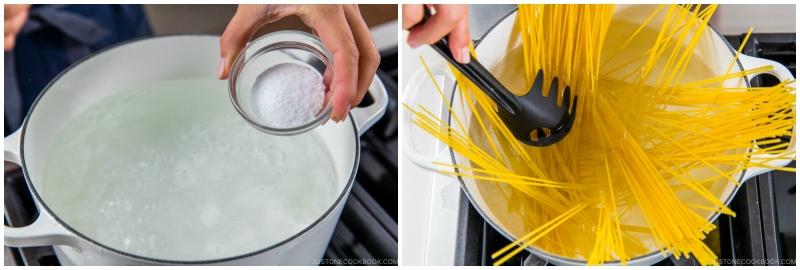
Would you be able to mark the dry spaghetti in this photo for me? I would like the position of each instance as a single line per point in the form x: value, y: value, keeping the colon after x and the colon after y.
x: 653, y: 138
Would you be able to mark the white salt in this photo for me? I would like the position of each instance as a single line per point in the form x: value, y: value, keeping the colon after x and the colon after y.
x: 287, y: 95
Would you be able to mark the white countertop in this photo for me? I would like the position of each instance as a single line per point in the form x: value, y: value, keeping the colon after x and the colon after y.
x: 430, y: 201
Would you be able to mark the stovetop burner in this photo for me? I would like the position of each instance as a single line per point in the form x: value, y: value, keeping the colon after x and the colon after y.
x: 367, y: 229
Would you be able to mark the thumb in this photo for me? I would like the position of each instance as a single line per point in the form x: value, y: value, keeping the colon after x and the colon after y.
x: 247, y: 20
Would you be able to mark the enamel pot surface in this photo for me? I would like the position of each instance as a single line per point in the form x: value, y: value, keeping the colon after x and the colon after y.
x: 500, y: 50
x: 121, y: 68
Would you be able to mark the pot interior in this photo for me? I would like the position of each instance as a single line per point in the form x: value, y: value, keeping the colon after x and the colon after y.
x: 501, y: 51
x: 197, y: 195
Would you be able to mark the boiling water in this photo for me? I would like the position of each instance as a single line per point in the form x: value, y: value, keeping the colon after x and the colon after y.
x: 613, y: 55
x: 171, y: 171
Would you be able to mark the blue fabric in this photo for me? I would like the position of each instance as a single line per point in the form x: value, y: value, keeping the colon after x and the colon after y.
x: 56, y: 36
x: 12, y: 99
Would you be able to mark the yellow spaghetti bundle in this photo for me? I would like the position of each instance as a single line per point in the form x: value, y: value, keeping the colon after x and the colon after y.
x: 650, y: 148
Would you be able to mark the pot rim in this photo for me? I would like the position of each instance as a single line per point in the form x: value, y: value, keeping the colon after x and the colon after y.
x: 339, y: 200
x: 531, y: 248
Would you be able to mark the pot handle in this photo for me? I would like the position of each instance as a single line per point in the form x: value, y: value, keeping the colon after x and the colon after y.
x: 11, y: 147
x: 783, y: 74
x: 778, y: 70
x: 44, y: 231
x: 414, y: 86
x: 365, y: 117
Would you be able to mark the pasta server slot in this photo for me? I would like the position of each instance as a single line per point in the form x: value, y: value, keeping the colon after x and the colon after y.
x: 532, y: 118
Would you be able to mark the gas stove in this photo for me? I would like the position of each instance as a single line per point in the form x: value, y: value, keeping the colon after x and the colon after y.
x: 763, y: 233
x: 367, y: 229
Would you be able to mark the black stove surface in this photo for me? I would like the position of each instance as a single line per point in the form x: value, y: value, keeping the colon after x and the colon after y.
x: 367, y: 231
x: 763, y: 232
x: 21, y: 211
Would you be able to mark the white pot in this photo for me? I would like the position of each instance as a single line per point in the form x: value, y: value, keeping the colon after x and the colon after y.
x: 148, y: 60
x: 499, y: 51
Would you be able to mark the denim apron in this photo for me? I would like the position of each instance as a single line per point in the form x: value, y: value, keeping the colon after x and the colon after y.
x: 55, y: 37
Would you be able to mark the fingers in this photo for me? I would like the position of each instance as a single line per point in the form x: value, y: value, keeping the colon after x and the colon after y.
x: 330, y: 23
x: 14, y: 19
x: 241, y: 28
x: 13, y: 24
x: 8, y: 42
x: 327, y: 78
x: 459, y: 41
x: 449, y: 20
x: 368, y: 59
x: 412, y: 14
x: 245, y: 23
x: 438, y: 25
x: 342, y: 31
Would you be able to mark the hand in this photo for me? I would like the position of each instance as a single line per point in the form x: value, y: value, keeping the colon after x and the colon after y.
x: 14, y: 17
x: 448, y: 19
x: 342, y: 31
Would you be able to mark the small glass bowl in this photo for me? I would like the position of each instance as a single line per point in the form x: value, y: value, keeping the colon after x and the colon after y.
x: 270, y: 50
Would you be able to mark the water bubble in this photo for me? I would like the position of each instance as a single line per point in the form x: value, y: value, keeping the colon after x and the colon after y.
x: 179, y: 166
